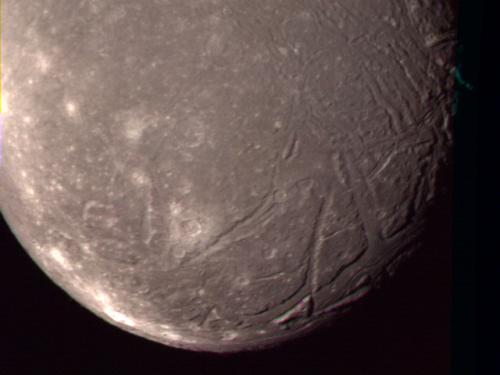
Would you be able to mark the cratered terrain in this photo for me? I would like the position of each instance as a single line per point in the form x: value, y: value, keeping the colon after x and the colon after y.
x: 223, y: 175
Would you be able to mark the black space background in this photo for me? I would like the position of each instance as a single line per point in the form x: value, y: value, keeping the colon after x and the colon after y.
x: 404, y: 329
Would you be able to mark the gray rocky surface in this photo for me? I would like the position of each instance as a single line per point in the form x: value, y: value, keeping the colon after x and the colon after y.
x: 223, y: 175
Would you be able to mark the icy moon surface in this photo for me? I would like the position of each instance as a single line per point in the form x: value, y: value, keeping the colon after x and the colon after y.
x: 223, y: 175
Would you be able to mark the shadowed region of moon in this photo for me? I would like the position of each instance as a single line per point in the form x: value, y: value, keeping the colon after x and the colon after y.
x: 223, y: 175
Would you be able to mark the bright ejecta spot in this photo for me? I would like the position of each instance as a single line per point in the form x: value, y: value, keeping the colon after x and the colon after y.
x: 71, y: 108
x: 119, y: 317
x: 60, y: 258
x: 5, y: 105
x: 109, y: 309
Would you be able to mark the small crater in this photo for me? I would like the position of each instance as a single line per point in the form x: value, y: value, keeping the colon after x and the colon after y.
x: 280, y: 196
x: 270, y: 253
x: 191, y: 228
x: 241, y: 281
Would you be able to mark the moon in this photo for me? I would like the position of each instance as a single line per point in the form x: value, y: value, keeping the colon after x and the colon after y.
x: 223, y: 175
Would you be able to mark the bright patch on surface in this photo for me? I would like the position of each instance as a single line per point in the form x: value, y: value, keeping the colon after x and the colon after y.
x: 1, y: 138
x: 30, y: 192
x: 42, y: 63
x: 188, y: 226
x: 134, y: 129
x: 110, y: 310
x: 139, y: 178
x: 71, y: 109
x: 5, y: 104
x: 119, y: 317
x: 60, y: 258
x: 169, y: 334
